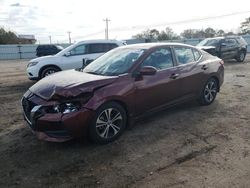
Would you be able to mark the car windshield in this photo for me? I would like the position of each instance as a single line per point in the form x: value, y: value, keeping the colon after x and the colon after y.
x: 114, y: 62
x: 209, y: 42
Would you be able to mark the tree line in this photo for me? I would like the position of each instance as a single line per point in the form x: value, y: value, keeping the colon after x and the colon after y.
x: 168, y: 33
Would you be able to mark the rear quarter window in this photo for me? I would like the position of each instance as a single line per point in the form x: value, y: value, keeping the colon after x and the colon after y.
x: 197, y: 54
x: 184, y: 55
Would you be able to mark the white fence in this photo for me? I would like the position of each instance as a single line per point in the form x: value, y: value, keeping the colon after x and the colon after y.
x: 26, y: 51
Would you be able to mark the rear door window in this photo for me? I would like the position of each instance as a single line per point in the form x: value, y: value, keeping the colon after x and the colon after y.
x: 159, y: 59
x: 101, y: 47
x: 184, y: 55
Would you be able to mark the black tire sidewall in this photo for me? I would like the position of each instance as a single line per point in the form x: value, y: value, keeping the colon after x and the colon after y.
x: 47, y: 69
x: 241, y: 60
x: 93, y: 135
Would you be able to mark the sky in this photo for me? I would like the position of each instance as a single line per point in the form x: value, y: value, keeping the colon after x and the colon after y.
x: 84, y: 19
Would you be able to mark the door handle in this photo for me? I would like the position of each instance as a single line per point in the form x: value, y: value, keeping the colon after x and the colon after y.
x: 174, y: 76
x: 204, y: 67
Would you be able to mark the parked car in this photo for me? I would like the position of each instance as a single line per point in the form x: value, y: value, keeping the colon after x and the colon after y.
x: 231, y: 47
x: 72, y: 57
x: 123, y: 85
x: 48, y: 49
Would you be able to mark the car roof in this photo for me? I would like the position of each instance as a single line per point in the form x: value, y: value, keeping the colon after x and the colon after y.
x: 98, y: 41
x: 154, y: 45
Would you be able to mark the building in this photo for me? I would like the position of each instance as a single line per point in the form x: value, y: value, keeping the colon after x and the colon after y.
x: 27, y: 39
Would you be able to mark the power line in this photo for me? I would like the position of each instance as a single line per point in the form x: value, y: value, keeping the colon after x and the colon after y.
x: 201, y: 19
x: 137, y: 27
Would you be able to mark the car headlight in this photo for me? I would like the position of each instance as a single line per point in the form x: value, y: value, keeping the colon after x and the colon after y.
x: 69, y: 106
x: 32, y: 64
x: 66, y: 108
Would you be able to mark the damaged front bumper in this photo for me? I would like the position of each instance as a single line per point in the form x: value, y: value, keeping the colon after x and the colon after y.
x: 55, y: 127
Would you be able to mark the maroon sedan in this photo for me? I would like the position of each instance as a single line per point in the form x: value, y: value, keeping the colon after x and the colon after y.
x: 124, y: 84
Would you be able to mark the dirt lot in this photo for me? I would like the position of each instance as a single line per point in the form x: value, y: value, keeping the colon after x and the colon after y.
x: 186, y: 146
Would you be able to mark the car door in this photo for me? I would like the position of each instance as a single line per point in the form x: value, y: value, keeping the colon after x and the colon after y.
x: 154, y: 91
x: 95, y: 50
x: 228, y: 48
x: 74, y: 59
x: 191, y: 70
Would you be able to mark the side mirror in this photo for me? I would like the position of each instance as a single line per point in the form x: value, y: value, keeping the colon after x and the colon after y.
x: 67, y: 54
x: 148, y: 70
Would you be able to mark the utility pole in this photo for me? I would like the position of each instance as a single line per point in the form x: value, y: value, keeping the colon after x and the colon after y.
x: 50, y: 39
x: 69, y: 37
x: 107, y: 28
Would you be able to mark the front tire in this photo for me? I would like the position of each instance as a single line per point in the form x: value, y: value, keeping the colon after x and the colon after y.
x: 48, y: 71
x: 241, y: 56
x: 108, y: 124
x: 209, y: 92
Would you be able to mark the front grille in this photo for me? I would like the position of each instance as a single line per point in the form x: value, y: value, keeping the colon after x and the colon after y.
x: 27, y: 107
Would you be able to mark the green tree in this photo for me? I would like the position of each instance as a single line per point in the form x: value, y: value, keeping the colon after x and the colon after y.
x: 193, y: 33
x: 8, y: 37
x: 154, y: 34
x: 209, y: 32
x: 200, y: 33
x: 245, y: 26
x: 220, y: 33
x: 148, y: 34
x: 167, y: 34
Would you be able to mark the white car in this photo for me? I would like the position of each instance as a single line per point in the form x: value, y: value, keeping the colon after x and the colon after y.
x: 72, y: 57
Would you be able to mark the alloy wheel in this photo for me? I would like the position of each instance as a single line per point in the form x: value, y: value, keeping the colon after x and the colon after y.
x: 109, y: 123
x: 210, y: 91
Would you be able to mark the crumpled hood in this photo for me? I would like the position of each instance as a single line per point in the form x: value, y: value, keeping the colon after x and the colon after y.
x: 69, y: 84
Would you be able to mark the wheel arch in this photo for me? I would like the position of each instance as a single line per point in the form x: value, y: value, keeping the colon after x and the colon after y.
x: 243, y: 50
x: 46, y: 66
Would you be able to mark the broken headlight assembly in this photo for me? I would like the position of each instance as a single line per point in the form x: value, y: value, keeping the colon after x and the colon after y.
x: 69, y: 106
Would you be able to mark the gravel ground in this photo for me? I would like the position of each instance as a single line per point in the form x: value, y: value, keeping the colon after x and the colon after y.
x: 185, y: 146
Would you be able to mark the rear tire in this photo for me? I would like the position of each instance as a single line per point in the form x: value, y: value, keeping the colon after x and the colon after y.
x: 48, y: 71
x: 241, y: 56
x: 209, y: 92
x: 108, y: 124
